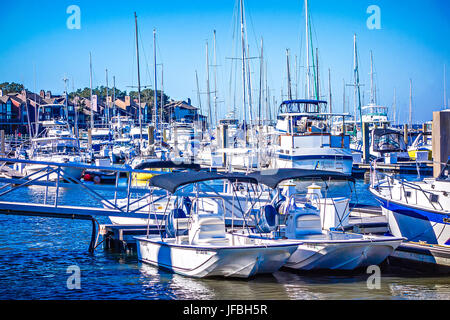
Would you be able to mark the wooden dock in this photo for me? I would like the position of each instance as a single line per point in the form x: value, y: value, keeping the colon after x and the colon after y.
x: 410, y: 167
x: 421, y: 257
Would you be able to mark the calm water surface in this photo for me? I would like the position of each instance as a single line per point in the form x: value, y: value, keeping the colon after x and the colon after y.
x: 35, y: 254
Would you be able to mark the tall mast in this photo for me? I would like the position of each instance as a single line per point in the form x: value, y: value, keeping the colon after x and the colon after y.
x: 308, y: 90
x: 139, y: 78
x: 114, y: 95
x: 90, y: 86
x: 296, y: 78
x: 356, y: 83
x: 208, y: 97
x: 162, y: 94
x: 329, y: 92
x: 410, y: 103
x: 394, y: 107
x: 107, y: 98
x: 77, y: 135
x: 243, y: 61
x: 261, y: 78
x: 215, y: 78
x: 249, y: 91
x: 343, y: 97
x: 66, y: 99
x: 317, y: 75
x: 372, y: 94
x: 36, y: 108
x: 155, y: 92
x: 288, y: 75
x: 198, y: 93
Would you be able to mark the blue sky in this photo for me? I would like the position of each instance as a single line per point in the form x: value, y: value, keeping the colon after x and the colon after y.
x: 411, y: 44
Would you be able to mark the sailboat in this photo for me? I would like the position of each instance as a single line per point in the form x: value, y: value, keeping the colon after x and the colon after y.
x: 417, y: 210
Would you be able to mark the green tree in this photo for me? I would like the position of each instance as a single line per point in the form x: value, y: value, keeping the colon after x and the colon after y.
x: 12, y: 87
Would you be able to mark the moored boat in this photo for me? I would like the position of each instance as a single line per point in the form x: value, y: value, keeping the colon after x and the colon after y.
x: 199, y: 246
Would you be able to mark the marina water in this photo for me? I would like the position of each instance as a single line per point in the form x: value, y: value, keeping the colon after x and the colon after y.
x: 38, y: 254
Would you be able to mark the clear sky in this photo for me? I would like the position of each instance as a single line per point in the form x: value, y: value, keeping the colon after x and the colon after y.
x: 413, y: 43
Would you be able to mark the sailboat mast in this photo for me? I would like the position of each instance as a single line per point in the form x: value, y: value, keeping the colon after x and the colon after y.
x: 215, y: 79
x: 107, y: 98
x: 308, y: 89
x: 139, y: 77
x: 243, y: 62
x: 288, y: 75
x: 198, y: 93
x: 394, y: 107
x: 343, y: 96
x: 329, y: 92
x: 372, y: 96
x: 90, y: 86
x: 162, y: 94
x: 317, y: 75
x: 261, y: 78
x: 410, y: 103
x: 155, y: 92
x: 208, y: 97
x: 114, y: 95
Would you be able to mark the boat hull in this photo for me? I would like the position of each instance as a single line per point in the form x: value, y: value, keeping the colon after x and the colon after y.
x: 420, y: 225
x: 212, y: 261
x: 336, y: 160
x: 345, y: 255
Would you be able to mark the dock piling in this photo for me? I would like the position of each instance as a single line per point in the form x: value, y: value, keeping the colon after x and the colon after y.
x: 440, y: 138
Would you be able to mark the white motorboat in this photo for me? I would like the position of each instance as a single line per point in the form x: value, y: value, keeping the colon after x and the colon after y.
x: 236, y: 195
x: 315, y: 222
x: 388, y: 144
x: 417, y: 210
x: 56, y: 144
x: 199, y: 246
x: 305, y: 140
x: 122, y: 150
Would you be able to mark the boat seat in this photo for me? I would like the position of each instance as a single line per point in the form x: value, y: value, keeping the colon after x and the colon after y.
x: 207, y: 229
x: 303, y: 222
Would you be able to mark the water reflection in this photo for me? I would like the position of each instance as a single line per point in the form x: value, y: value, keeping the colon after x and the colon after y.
x: 263, y: 287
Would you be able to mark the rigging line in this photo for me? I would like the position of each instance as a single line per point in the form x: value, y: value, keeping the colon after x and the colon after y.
x: 145, y: 57
x: 254, y: 33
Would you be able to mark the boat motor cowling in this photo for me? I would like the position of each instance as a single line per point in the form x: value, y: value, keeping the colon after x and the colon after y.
x: 266, y: 219
x: 171, y: 225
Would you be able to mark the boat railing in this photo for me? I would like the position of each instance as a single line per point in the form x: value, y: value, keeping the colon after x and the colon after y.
x: 377, y: 184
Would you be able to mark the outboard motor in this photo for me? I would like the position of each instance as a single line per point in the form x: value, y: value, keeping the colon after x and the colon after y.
x: 266, y: 219
x: 171, y: 225
x: 187, y: 204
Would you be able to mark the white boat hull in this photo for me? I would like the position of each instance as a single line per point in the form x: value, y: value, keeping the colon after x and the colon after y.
x: 342, y: 255
x: 418, y: 228
x: 336, y: 160
x: 214, y: 261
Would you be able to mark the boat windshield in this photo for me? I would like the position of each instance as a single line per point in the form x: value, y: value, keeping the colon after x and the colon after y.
x: 58, y: 149
x: 374, y: 110
x: 389, y: 142
x: 302, y: 106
